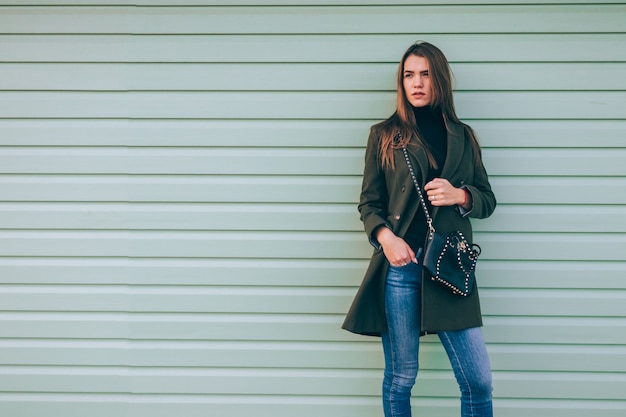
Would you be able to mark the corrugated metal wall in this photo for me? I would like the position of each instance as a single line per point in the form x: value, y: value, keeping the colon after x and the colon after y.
x: 178, y: 184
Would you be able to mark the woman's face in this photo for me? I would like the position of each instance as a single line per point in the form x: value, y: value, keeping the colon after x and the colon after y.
x: 416, y: 81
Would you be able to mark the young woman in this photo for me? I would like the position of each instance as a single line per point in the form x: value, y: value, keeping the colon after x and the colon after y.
x: 397, y: 299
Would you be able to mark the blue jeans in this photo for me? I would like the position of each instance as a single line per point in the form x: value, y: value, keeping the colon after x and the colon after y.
x: 465, y: 348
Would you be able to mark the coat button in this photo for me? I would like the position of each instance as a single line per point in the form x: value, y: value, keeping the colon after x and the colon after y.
x: 403, y: 188
x: 397, y: 216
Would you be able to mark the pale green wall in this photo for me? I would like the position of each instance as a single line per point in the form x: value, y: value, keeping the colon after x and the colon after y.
x: 213, y: 279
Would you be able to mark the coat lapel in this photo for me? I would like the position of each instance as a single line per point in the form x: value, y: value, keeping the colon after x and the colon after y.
x: 422, y: 163
x: 456, y: 144
x: 454, y: 154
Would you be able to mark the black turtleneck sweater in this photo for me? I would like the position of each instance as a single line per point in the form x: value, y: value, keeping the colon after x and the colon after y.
x: 432, y: 130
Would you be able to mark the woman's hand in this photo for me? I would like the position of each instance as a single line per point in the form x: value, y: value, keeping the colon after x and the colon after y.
x: 441, y: 193
x: 396, y: 250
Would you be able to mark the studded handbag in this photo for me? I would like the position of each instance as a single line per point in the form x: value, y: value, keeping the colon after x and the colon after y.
x: 448, y: 257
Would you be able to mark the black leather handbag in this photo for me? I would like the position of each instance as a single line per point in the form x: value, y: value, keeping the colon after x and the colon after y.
x: 448, y: 257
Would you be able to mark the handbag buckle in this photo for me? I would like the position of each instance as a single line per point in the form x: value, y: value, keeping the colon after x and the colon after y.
x: 431, y: 228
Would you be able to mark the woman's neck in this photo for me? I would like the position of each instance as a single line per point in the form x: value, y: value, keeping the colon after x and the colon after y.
x: 427, y: 114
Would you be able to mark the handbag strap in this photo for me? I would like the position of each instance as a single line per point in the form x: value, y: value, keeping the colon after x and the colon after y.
x: 429, y: 219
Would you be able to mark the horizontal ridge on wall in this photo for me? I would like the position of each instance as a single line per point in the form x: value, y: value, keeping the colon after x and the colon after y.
x: 301, y: 105
x: 302, y: 19
x: 330, y: 134
x: 309, y: 48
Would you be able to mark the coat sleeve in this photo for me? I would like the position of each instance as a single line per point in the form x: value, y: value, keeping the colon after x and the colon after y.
x: 483, y: 198
x: 374, y: 195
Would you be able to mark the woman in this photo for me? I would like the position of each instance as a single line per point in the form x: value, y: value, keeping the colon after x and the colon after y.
x: 397, y: 299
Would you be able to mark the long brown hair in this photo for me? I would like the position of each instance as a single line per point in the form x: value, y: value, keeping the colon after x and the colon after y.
x: 397, y: 130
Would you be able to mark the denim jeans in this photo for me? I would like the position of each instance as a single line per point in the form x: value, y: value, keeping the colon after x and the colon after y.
x: 465, y: 348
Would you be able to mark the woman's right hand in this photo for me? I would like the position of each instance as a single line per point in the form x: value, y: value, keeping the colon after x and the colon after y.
x: 396, y: 250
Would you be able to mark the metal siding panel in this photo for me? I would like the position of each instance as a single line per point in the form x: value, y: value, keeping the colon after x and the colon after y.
x: 593, y: 331
x: 309, y: 48
x: 293, y: 245
x: 284, y: 189
x: 344, y: 383
x: 299, y: 105
x: 283, y: 217
x: 293, y: 272
x: 291, y: 162
x: 329, y: 134
x: 496, y: 302
x: 345, y: 355
x: 288, y: 77
x: 313, y: 19
x: 386, y: 20
x: 305, y: 406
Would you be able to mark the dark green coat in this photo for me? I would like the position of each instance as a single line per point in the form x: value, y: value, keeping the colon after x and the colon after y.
x: 389, y: 198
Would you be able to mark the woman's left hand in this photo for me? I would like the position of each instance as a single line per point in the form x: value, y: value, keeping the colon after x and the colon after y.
x: 441, y: 193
